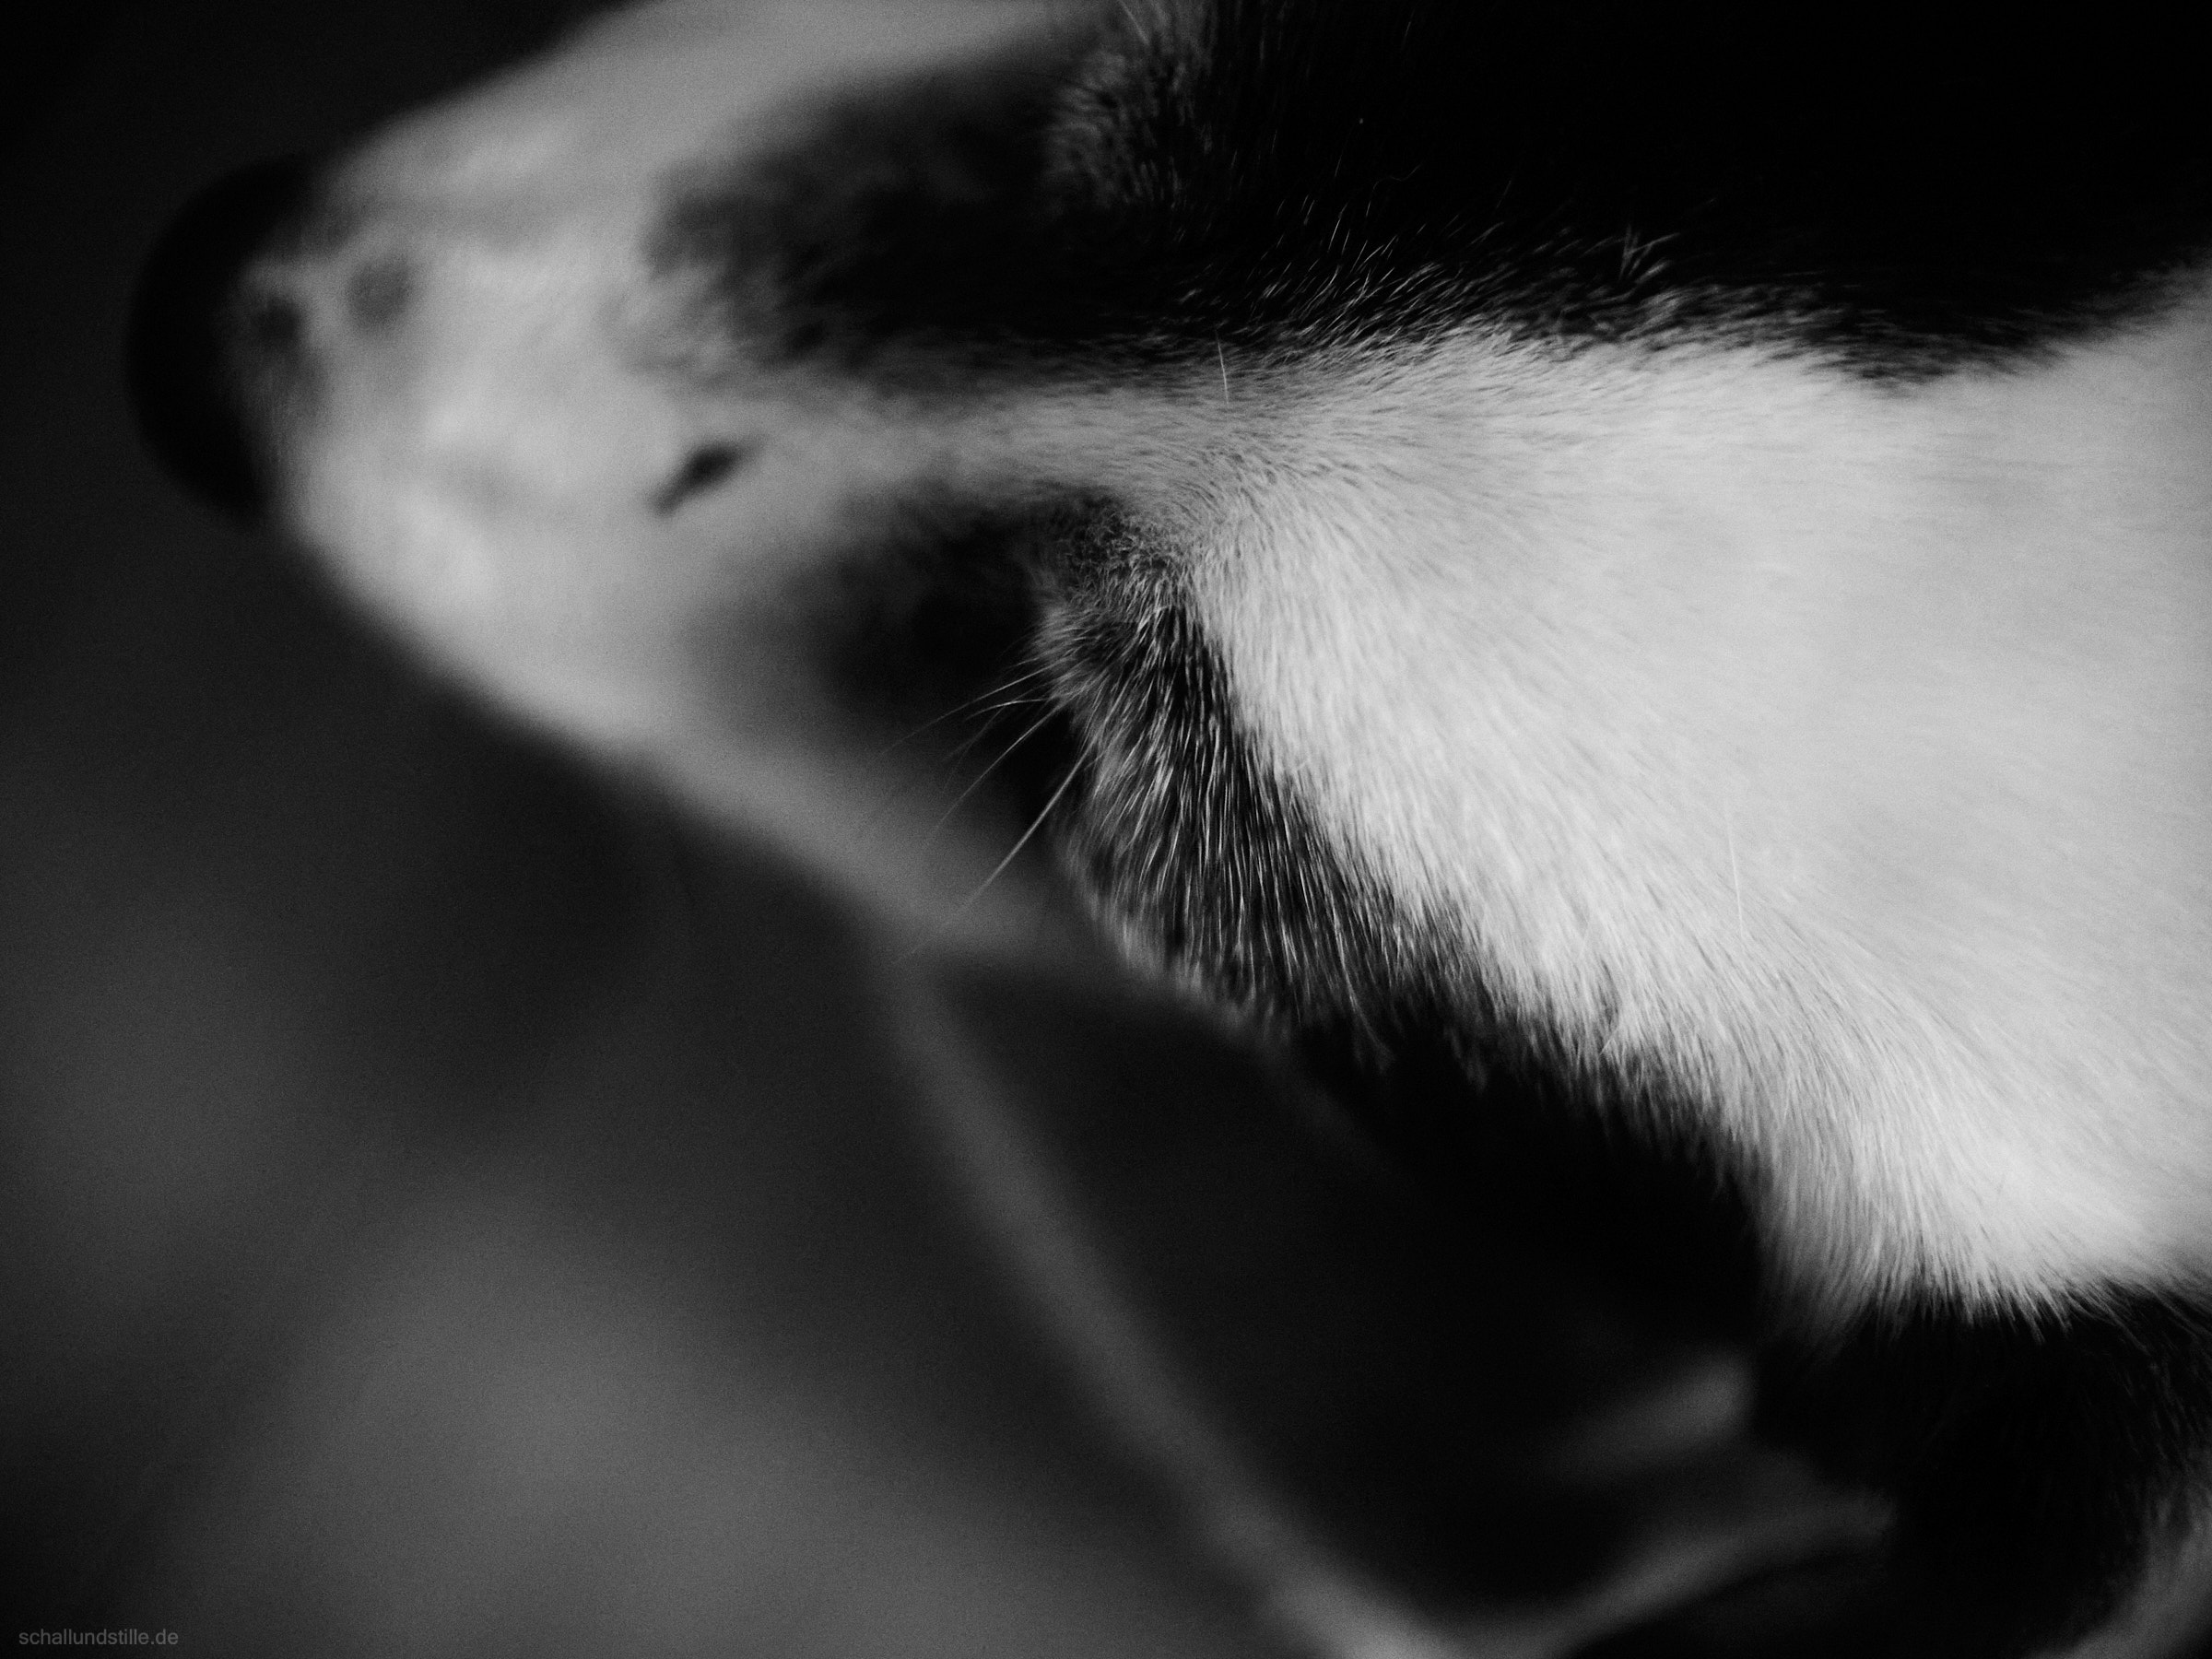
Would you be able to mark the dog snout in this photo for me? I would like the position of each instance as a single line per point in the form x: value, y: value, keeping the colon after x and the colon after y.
x: 212, y: 329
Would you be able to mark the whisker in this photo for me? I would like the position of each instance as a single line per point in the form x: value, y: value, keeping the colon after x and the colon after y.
x: 967, y: 705
x: 1001, y: 868
x: 1034, y: 727
x: 1736, y: 875
x: 906, y: 785
x: 961, y: 750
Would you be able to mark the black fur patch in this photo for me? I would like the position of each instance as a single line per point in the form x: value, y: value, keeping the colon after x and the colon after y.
x: 899, y: 224
x: 1180, y: 833
x: 1268, y: 173
x: 1902, y: 195
x: 2036, y: 1461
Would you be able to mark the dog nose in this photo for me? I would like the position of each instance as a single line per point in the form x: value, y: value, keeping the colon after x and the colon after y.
x: 201, y: 337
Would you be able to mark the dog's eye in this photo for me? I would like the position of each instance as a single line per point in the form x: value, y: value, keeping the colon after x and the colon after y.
x: 703, y: 468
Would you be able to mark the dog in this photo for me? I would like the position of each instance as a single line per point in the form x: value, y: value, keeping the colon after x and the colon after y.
x: 1639, y: 576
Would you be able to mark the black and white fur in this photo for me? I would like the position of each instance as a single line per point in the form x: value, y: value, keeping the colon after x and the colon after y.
x: 1657, y: 565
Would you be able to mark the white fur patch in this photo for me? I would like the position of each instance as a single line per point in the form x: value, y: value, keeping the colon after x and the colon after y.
x: 1844, y: 747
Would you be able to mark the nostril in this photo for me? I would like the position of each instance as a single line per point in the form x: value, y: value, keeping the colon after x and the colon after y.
x: 702, y: 470
x: 195, y: 329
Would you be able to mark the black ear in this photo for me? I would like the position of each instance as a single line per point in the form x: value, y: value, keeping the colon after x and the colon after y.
x: 190, y: 319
